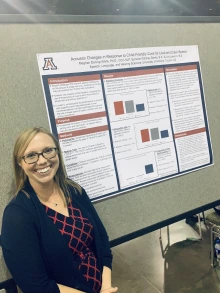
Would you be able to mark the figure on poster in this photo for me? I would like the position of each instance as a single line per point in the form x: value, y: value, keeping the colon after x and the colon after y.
x: 52, y: 237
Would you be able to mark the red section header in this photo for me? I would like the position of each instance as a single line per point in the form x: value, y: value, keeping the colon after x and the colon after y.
x: 190, y: 132
x: 132, y: 73
x: 80, y: 117
x: 83, y: 132
x: 180, y: 68
x: 59, y: 80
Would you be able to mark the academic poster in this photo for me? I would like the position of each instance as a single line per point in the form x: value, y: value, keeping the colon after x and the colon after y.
x: 127, y: 118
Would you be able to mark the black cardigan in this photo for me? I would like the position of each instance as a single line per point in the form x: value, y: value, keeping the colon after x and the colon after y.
x: 35, y: 252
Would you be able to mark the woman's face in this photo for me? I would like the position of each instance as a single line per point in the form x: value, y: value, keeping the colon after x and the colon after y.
x: 44, y: 170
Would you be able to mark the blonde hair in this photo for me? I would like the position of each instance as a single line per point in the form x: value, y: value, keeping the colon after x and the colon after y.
x: 21, y: 144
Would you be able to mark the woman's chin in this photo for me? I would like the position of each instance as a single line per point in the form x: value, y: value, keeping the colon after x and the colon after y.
x: 41, y: 179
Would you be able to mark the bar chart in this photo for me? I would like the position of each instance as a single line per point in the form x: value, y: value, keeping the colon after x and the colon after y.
x: 152, y: 133
x: 137, y: 169
x: 128, y: 105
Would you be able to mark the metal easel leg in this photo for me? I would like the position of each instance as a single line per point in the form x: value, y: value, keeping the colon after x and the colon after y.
x: 200, y: 227
x: 164, y: 250
x: 160, y: 235
x: 203, y: 215
x: 168, y: 235
x: 212, y: 245
x: 199, y: 235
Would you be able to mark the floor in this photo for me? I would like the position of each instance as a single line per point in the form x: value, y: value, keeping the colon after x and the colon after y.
x: 140, y: 267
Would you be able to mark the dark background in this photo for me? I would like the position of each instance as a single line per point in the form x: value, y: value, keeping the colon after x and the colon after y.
x: 113, y: 7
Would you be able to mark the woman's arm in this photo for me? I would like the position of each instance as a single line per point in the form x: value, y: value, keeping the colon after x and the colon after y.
x: 22, y: 253
x: 106, y: 278
x: 107, y: 254
x: 106, y: 282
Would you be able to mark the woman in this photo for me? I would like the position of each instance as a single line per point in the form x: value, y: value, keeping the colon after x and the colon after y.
x: 52, y: 238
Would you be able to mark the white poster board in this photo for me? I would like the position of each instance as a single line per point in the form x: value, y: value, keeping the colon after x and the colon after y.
x: 127, y: 118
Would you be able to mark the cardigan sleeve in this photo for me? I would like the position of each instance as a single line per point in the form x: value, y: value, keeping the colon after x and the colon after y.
x: 104, y: 239
x: 22, y: 254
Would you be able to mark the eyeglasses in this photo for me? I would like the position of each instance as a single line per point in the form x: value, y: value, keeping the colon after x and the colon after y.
x: 32, y: 158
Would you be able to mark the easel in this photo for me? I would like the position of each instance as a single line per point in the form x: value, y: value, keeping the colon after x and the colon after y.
x: 199, y: 235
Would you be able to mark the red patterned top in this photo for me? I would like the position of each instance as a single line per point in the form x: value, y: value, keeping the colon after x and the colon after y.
x: 78, y: 232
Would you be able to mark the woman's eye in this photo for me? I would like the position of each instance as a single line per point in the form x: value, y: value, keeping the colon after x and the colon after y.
x: 48, y: 151
x: 31, y: 155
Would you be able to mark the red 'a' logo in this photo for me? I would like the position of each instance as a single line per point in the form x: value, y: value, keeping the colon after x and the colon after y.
x: 49, y: 64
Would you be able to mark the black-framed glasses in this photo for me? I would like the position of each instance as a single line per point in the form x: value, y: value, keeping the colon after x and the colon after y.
x: 32, y: 158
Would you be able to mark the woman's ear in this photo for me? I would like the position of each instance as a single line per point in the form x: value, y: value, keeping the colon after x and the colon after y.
x: 20, y: 164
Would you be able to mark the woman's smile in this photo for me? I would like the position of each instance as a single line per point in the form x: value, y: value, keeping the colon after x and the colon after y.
x: 44, y: 170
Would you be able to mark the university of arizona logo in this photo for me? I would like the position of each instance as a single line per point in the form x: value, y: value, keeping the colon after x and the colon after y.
x: 49, y: 64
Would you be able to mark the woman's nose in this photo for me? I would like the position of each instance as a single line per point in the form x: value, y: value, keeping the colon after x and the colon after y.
x: 41, y: 159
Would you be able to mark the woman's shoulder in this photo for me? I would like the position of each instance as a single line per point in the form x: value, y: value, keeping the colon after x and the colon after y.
x: 19, y: 204
x: 17, y: 216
